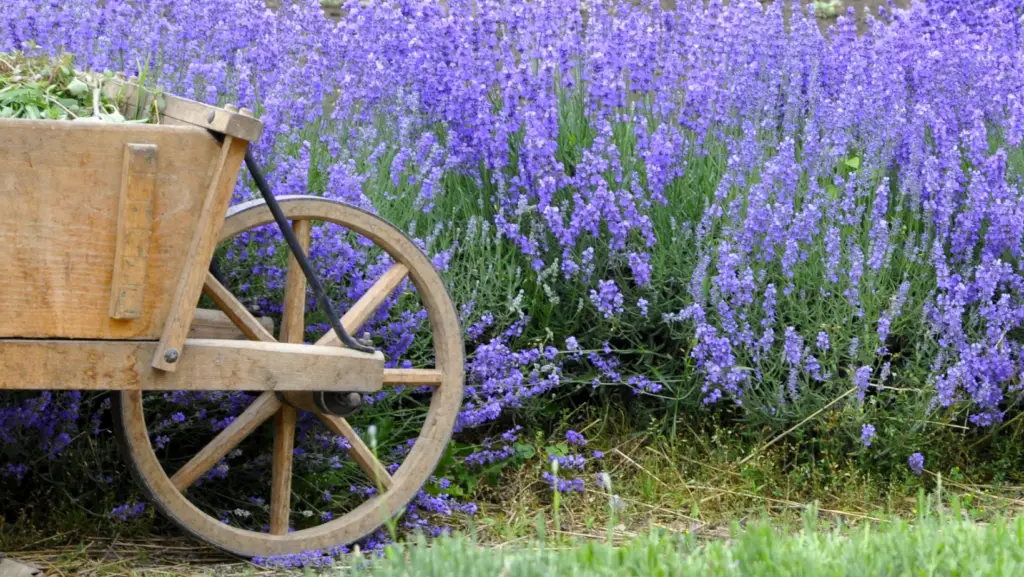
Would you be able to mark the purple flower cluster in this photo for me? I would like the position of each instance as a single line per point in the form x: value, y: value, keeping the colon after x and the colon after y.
x: 916, y: 463
x: 128, y: 511
x: 563, y: 485
x: 318, y: 559
x: 575, y: 438
x: 492, y: 452
x: 867, y: 434
x: 570, y: 464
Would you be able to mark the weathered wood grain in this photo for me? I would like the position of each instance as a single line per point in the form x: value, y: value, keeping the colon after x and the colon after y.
x: 60, y: 186
x: 134, y: 229
x: 214, y: 365
x: 202, y: 245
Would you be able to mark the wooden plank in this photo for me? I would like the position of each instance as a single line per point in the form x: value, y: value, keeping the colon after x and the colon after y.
x: 201, y: 249
x: 293, y: 321
x: 281, y: 474
x: 134, y: 229
x: 239, y: 315
x: 252, y: 417
x: 175, y: 110
x: 413, y: 377
x: 211, y: 365
x: 60, y: 188
x: 367, y: 304
x: 214, y: 324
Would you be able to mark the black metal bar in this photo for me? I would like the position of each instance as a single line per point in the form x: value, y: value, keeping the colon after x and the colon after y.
x: 217, y: 273
x: 300, y: 256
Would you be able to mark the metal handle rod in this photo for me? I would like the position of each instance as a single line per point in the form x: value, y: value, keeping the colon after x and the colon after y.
x: 300, y: 256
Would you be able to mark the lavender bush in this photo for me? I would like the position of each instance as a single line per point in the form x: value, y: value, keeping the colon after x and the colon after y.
x: 709, y: 207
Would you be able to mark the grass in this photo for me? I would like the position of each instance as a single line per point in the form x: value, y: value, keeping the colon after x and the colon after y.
x: 942, y: 544
x: 697, y: 484
x: 685, y: 495
x: 941, y: 540
x: 941, y: 536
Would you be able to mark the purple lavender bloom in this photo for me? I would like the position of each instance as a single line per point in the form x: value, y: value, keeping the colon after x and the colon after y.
x: 861, y: 380
x: 794, y: 235
x: 128, y: 511
x: 916, y: 463
x: 822, y: 342
x: 867, y: 433
x: 607, y: 299
x: 575, y: 438
x: 571, y: 344
x: 17, y: 471
x: 563, y: 485
x: 574, y: 462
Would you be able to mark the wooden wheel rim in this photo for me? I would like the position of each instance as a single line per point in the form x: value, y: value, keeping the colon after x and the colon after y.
x: 418, y: 464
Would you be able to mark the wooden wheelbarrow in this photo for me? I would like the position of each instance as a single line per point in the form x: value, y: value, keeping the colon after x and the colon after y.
x: 106, y: 242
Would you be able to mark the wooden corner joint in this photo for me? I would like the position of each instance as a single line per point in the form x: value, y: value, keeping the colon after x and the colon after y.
x: 134, y: 228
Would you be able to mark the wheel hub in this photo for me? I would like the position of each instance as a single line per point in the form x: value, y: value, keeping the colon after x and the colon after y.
x: 337, y: 403
x: 333, y: 403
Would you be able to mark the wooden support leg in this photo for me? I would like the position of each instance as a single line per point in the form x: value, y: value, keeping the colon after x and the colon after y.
x: 204, y: 243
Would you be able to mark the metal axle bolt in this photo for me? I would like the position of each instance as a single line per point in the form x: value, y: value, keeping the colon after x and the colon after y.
x: 171, y: 356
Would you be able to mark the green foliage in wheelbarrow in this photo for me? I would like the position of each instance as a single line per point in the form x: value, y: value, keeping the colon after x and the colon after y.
x: 50, y: 88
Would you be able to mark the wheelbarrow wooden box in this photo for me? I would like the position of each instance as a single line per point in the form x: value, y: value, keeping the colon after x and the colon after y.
x: 97, y: 220
x: 107, y: 234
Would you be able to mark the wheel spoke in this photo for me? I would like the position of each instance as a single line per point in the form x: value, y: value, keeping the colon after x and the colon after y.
x: 293, y: 325
x: 281, y: 489
x: 424, y: 377
x: 293, y: 321
x: 359, y: 452
x: 259, y: 411
x: 238, y: 314
x: 367, y: 304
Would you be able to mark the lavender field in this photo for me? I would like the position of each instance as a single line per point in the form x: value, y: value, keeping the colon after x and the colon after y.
x: 695, y: 218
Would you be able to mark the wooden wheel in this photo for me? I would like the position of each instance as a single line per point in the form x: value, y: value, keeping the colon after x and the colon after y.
x: 169, y: 491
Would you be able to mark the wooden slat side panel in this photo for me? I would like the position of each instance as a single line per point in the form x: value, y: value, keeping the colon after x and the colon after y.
x: 134, y: 229
x: 60, y: 184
